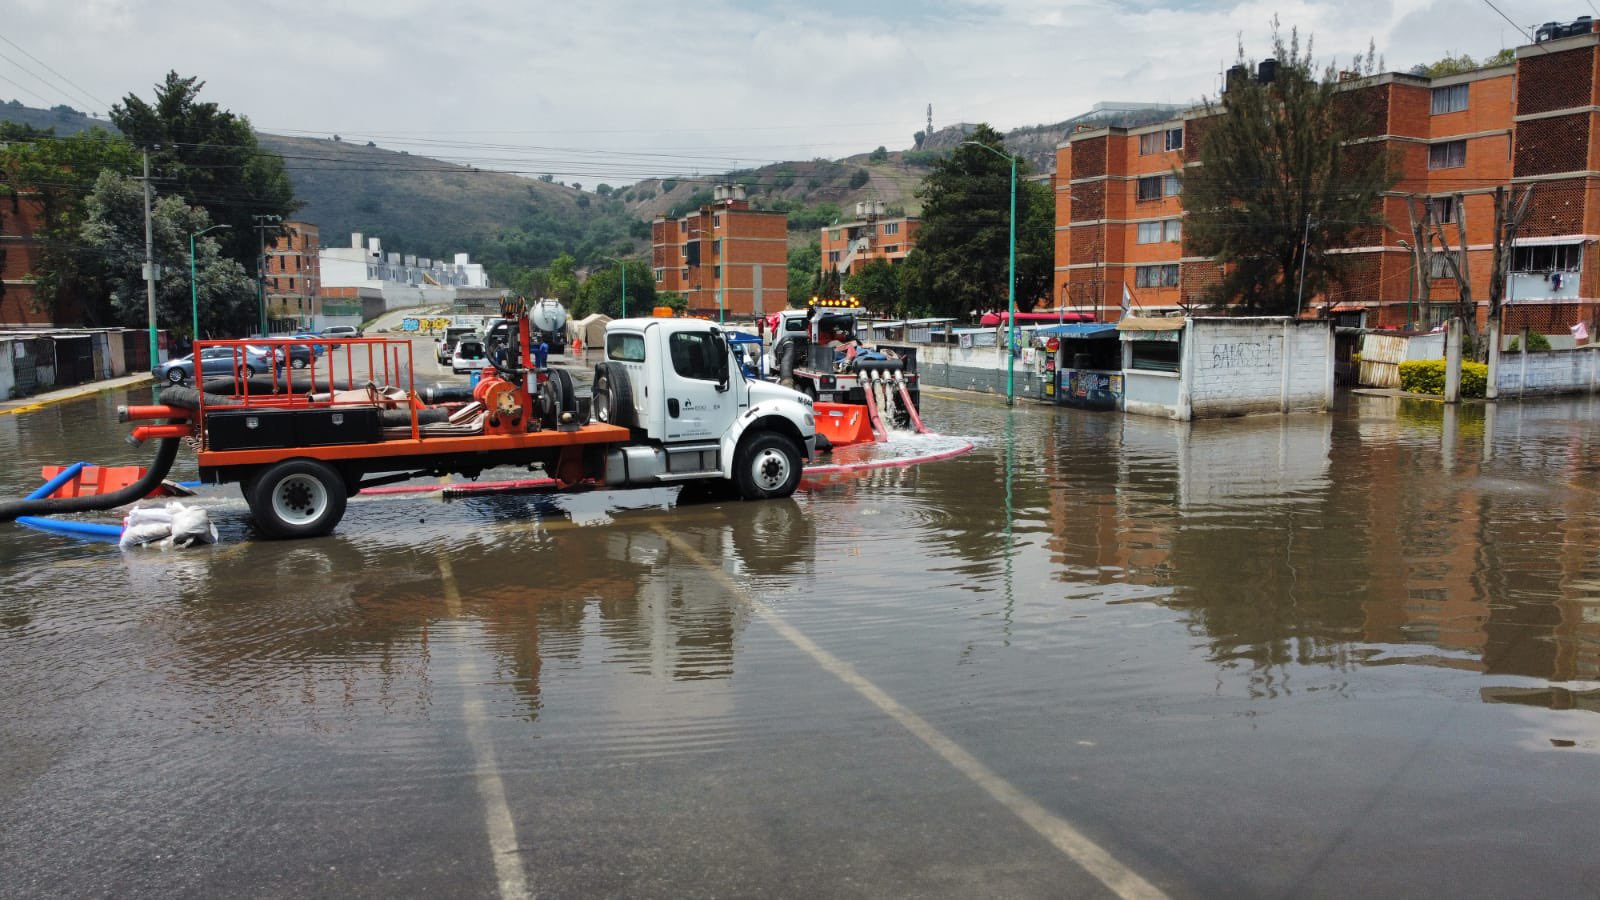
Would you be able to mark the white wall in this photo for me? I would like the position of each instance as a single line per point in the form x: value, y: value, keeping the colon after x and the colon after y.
x: 8, y: 377
x: 1548, y: 372
x: 1150, y: 393
x: 1238, y: 366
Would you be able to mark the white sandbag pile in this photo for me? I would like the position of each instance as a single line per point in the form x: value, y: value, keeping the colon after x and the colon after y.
x: 170, y: 525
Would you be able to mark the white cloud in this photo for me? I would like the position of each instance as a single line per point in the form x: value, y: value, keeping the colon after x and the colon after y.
x: 714, y: 84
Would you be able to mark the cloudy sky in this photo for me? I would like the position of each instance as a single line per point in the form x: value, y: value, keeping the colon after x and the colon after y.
x: 614, y: 90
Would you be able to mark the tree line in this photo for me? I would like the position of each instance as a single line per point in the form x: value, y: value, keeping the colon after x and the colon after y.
x: 206, y: 171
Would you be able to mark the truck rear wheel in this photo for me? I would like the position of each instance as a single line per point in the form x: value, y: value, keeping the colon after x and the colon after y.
x: 767, y: 466
x: 297, y: 498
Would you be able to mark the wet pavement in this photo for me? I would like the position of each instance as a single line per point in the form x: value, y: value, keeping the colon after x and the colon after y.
x: 1323, y: 655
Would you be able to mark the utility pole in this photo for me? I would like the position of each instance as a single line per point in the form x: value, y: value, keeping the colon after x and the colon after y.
x: 149, y: 266
x: 1300, y: 293
x: 263, y: 224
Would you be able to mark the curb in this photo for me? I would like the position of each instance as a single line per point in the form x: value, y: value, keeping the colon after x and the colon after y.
x: 87, y: 391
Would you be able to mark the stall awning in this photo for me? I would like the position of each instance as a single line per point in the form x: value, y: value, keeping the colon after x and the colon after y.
x: 1078, y: 330
x: 1139, y: 323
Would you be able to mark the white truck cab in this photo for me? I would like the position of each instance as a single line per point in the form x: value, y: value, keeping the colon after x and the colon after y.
x: 677, y: 385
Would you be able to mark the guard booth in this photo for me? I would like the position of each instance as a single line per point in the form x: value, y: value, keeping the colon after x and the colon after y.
x: 1082, y: 364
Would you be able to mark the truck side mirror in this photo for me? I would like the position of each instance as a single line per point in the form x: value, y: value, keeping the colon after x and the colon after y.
x: 723, y: 352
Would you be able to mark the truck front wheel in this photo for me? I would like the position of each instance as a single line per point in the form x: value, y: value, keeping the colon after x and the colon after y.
x: 768, y: 465
x: 297, y: 498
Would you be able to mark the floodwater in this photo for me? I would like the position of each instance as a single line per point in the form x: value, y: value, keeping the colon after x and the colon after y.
x: 1327, y: 655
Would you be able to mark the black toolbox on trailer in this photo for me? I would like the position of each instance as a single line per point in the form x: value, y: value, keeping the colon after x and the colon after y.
x: 250, y: 429
x: 276, y: 429
x: 338, y: 425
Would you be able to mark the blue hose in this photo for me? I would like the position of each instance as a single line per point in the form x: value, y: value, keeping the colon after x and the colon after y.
x: 77, y: 529
x: 54, y: 484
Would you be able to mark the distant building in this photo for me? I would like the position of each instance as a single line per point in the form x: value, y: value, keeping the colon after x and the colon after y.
x: 1119, y: 212
x: 19, y: 224
x: 289, y: 274
x: 725, y: 258
x: 848, y: 246
x: 361, y: 281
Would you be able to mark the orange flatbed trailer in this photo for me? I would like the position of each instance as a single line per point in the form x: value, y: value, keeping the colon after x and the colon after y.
x: 422, y: 446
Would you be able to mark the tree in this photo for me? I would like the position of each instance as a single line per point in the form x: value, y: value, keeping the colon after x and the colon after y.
x: 602, y: 291
x: 1281, y: 181
x: 879, y: 155
x: 210, y: 158
x: 603, y: 189
x: 965, y: 238
x: 1455, y: 65
x: 113, y: 230
x: 57, y: 174
x: 563, y: 278
x: 859, y: 178
x: 877, y: 286
x: 805, y: 264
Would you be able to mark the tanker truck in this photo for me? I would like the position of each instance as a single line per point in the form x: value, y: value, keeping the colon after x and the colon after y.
x: 549, y: 321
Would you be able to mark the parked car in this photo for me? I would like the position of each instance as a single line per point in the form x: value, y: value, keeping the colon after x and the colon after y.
x: 469, y: 355
x: 447, y: 344
x: 318, y: 348
x: 214, y: 361
x: 340, y: 331
x: 300, y: 355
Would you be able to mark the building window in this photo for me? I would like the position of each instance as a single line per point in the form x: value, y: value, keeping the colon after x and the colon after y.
x: 1438, y: 266
x: 1150, y: 188
x: 1444, y: 209
x: 1165, y: 231
x: 1449, y: 155
x: 833, y: 256
x: 661, y: 275
x: 1174, y: 138
x: 833, y: 235
x: 891, y: 248
x: 716, y: 272
x: 1549, y: 258
x: 716, y: 248
x: 1449, y: 99
x: 1156, y: 356
x: 1149, y: 143
x: 1156, y: 276
x: 891, y: 228
x: 1171, y: 186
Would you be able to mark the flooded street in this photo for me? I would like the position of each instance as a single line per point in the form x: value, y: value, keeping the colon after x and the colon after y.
x: 1347, y: 654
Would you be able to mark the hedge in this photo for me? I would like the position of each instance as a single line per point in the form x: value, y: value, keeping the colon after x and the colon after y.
x: 1426, y: 376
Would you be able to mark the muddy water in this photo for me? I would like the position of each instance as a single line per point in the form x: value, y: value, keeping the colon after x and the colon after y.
x: 1355, y: 653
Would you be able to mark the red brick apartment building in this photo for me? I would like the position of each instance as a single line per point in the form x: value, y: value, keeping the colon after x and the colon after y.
x: 19, y: 225
x: 848, y: 246
x: 291, y: 275
x: 726, y: 247
x: 1119, y: 210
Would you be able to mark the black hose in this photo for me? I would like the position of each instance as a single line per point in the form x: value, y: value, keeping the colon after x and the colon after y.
x: 189, y: 398
x: 445, y: 393
x: 264, y: 386
x: 166, y: 454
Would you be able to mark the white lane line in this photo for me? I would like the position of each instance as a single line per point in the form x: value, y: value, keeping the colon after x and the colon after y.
x: 491, y: 790
x: 1061, y: 834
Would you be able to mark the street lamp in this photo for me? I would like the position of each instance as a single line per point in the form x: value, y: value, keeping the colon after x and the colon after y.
x: 621, y: 266
x: 1011, y: 287
x: 1411, y: 283
x: 194, y: 289
x: 263, y: 224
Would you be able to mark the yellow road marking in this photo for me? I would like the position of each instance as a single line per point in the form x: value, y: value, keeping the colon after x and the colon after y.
x: 1061, y: 834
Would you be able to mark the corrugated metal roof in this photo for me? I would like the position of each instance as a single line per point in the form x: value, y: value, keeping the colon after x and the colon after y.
x: 1079, y: 330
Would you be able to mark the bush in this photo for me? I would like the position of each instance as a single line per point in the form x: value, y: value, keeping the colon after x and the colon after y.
x: 859, y: 178
x: 1536, y: 343
x: 1426, y: 376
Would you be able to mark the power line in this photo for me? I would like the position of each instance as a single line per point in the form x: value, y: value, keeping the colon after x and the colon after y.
x: 20, y: 87
x: 1520, y: 30
x: 24, y: 52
